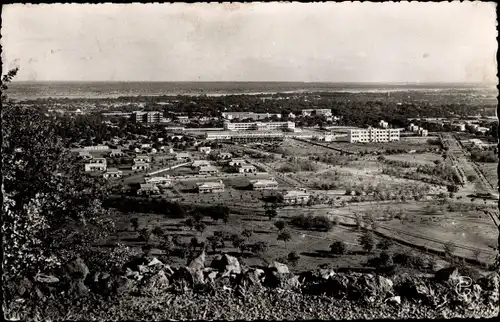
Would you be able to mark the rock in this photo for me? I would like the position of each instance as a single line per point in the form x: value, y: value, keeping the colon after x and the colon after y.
x: 226, y: 264
x: 143, y: 269
x: 448, y: 275
x: 155, y: 261
x: 198, y: 263
x: 280, y: 268
x: 155, y: 284
x: 49, y: 279
x: 102, y: 283
x: 123, y: 285
x: 212, y: 276
x: 394, y: 300
x: 291, y: 283
x: 326, y: 273
x: 78, y: 288
x: 77, y: 269
x: 133, y: 274
x: 251, y: 277
x: 135, y: 263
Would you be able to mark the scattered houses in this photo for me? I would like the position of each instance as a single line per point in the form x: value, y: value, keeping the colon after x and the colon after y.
x: 210, y: 187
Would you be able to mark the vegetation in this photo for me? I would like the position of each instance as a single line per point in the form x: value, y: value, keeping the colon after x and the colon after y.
x: 309, y: 222
x: 367, y: 241
x: 338, y: 248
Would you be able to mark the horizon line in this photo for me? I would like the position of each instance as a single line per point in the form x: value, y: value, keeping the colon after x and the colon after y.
x: 259, y: 81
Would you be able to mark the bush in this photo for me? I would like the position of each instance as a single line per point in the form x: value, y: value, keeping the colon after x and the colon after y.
x: 313, y: 222
x: 385, y: 244
x: 338, y: 248
x: 367, y: 241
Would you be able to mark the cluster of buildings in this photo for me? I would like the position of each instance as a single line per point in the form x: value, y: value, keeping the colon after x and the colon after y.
x: 418, y: 130
x: 152, y: 185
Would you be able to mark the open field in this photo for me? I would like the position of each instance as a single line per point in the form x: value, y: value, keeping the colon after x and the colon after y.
x: 420, y: 158
x: 312, y: 246
x: 381, y: 147
x: 490, y: 171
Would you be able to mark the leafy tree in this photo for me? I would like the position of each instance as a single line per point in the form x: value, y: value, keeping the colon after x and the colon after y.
x: 176, y: 240
x: 194, y: 243
x: 239, y: 242
x: 270, y: 210
x: 293, y: 258
x: 247, y: 233
x: 200, y: 227
x: 167, y: 246
x: 158, y: 231
x: 280, y: 224
x: 285, y: 236
x: 134, y: 222
x: 51, y: 209
x: 190, y: 222
x: 260, y: 247
x: 338, y: 248
x: 385, y: 244
x: 145, y: 234
x: 367, y: 241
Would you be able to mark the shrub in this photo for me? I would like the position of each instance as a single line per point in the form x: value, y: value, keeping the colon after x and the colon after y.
x: 280, y: 224
x: 313, y: 222
x: 338, y: 248
x: 367, y: 241
x: 385, y: 244
x: 449, y: 248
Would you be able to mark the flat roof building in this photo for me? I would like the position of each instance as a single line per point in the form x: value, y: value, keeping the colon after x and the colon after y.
x: 200, y: 163
x: 96, y: 148
x: 208, y: 169
x: 148, y: 189
x: 210, y: 187
x: 259, y: 126
x: 296, y: 196
x: 247, y: 168
x: 372, y: 135
x: 91, y: 167
x: 264, y: 184
x: 112, y: 173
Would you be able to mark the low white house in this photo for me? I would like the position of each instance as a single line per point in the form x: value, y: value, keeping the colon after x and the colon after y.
x: 296, y: 197
x: 148, y: 189
x: 112, y: 173
x: 264, y: 184
x: 181, y: 156
x: 141, y: 166
x: 96, y: 148
x: 247, y: 168
x: 237, y: 162
x: 210, y: 187
x: 207, y: 170
x: 204, y: 149
x: 146, y: 146
x: 116, y: 153
x: 142, y: 159
x: 200, y: 163
x: 164, y: 182
x: 85, y: 155
x: 92, y: 167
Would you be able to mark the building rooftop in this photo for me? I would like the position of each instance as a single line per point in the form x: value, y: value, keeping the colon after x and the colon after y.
x: 148, y: 186
x: 156, y: 179
x: 248, y: 166
x: 296, y: 193
x: 216, y: 184
x: 113, y: 170
x: 208, y: 168
x: 263, y: 182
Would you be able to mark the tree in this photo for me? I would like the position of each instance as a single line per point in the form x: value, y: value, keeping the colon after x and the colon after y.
x: 260, y: 247
x: 239, y: 242
x: 247, y: 233
x: 293, y: 258
x: 190, y: 222
x: 280, y: 224
x: 145, y: 234
x: 158, y: 231
x: 452, y: 188
x: 194, y: 243
x: 200, y: 227
x: 135, y: 223
x: 338, y: 248
x: 385, y: 244
x: 284, y: 236
x: 270, y: 211
x: 367, y: 241
x: 51, y: 209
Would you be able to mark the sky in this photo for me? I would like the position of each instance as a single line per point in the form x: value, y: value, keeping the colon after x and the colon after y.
x: 312, y: 42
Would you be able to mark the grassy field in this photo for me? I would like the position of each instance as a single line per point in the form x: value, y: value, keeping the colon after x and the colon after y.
x: 420, y: 158
x: 312, y: 246
x: 381, y: 147
x: 490, y: 172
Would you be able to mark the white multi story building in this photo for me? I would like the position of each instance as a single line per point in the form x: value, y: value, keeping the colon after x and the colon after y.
x: 140, y: 166
x: 261, y: 126
x: 112, y: 173
x: 296, y: 197
x: 91, y: 167
x: 96, y: 148
x: 248, y: 115
x: 247, y: 168
x: 142, y: 159
x: 373, y: 135
x: 207, y: 169
x: 317, y: 111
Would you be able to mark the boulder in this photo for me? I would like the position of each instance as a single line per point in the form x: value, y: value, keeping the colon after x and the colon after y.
x: 123, y: 285
x: 133, y: 274
x: 155, y: 261
x: 198, y: 263
x: 155, y: 284
x: 280, y: 268
x: 135, y: 263
x: 48, y: 279
x: 226, y: 264
x: 326, y: 273
x: 102, y: 283
x: 394, y: 299
x: 77, y: 269
x: 78, y: 288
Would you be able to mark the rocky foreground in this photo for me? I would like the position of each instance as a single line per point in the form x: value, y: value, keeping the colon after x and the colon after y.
x: 147, y: 289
